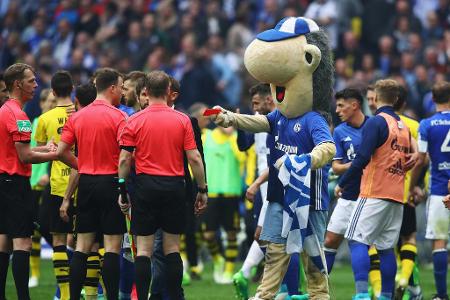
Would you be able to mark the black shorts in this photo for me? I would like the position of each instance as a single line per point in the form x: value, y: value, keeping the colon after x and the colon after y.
x: 221, y: 212
x: 57, y: 225
x: 158, y: 205
x: 17, y: 205
x: 97, y: 209
x: 409, y: 224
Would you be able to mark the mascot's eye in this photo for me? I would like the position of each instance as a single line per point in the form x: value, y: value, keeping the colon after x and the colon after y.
x: 308, y: 57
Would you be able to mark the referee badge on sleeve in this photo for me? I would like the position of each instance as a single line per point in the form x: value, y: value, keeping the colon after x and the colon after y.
x: 24, y: 125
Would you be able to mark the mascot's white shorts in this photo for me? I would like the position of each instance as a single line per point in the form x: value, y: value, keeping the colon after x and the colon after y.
x: 341, y: 216
x: 438, y: 219
x: 375, y: 222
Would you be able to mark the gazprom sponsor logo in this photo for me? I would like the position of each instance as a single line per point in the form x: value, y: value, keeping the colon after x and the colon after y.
x: 286, y: 148
x: 397, y: 147
x: 444, y: 166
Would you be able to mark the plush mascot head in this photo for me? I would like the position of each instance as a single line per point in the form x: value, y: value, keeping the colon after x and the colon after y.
x: 295, y: 58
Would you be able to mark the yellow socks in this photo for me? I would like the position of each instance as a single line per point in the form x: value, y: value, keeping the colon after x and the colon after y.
x: 408, y: 254
x: 374, y: 273
x: 61, y: 268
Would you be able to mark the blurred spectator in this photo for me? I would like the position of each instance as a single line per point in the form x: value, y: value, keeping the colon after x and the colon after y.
x: 387, y: 59
x: 89, y: 20
x: 401, y: 34
x: 341, y: 75
x: 370, y: 73
x: 443, y: 12
x: 136, y: 48
x: 66, y: 11
x: 376, y: 19
x: 415, y: 47
x: 351, y: 52
x: 422, y: 7
x: 324, y: 12
x: 349, y: 12
x: 62, y: 43
x: 433, y: 30
x: 403, y: 10
x: 34, y: 34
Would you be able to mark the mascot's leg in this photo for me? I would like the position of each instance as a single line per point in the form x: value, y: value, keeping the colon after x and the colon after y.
x: 318, y: 288
x: 276, y: 264
x: 317, y: 281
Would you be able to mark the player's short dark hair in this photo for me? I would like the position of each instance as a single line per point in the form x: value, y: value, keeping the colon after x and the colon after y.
x: 401, y: 99
x: 370, y: 87
x: 106, y: 77
x: 15, y: 72
x: 62, y: 84
x: 85, y: 93
x: 174, y: 84
x: 441, y: 92
x: 157, y: 83
x: 262, y: 89
x: 134, y: 76
x: 140, y: 85
x: 350, y: 93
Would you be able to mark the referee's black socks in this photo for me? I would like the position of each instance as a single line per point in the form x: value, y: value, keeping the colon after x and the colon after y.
x: 77, y: 275
x: 21, y: 272
x: 111, y: 275
x: 143, y: 276
x: 174, y: 275
x: 4, y: 263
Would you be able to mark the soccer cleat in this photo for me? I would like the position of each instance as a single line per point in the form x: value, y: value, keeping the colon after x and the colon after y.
x: 436, y: 297
x: 218, y: 266
x: 361, y: 296
x: 240, y: 285
x: 227, y: 278
x: 399, y: 292
x: 383, y: 298
x: 33, y: 282
x: 300, y: 297
x: 413, y: 293
x: 186, y: 279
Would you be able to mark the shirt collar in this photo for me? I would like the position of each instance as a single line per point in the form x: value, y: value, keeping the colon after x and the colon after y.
x: 386, y: 109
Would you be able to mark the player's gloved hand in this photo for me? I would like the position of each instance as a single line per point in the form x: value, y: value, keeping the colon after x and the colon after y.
x: 280, y: 162
x: 63, y: 210
x: 124, y: 204
x: 201, y: 202
x: 224, y: 119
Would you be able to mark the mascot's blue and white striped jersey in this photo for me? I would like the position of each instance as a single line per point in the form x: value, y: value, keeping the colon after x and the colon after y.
x: 434, y: 138
x: 298, y: 136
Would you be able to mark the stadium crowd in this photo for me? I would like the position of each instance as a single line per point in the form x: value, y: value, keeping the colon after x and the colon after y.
x: 199, y: 46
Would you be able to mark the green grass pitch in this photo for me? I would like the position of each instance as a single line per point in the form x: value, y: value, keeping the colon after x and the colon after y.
x: 342, y: 286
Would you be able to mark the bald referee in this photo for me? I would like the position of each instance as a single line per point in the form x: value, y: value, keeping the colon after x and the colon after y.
x: 159, y: 136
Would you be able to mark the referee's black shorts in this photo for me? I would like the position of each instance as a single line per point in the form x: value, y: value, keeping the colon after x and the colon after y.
x: 409, y: 223
x: 158, y: 203
x: 16, y: 206
x: 97, y: 209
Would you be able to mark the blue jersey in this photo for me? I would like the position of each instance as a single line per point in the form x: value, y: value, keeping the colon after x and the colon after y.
x: 298, y: 136
x: 126, y: 109
x: 347, y: 139
x: 434, y: 138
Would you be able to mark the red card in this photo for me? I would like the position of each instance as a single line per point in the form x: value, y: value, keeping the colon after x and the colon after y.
x: 211, y: 111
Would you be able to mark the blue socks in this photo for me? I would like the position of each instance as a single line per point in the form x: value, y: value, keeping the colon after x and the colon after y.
x: 126, y: 276
x: 440, y: 271
x: 388, y: 269
x: 291, y: 277
x: 360, y: 265
x: 330, y: 256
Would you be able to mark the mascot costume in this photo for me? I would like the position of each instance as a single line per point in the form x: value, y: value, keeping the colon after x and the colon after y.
x: 295, y: 59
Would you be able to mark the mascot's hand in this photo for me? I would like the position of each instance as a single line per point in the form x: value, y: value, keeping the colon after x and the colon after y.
x: 224, y: 119
x: 280, y: 162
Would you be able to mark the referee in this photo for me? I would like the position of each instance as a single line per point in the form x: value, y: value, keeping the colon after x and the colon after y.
x: 159, y: 136
x: 95, y: 130
x: 16, y: 215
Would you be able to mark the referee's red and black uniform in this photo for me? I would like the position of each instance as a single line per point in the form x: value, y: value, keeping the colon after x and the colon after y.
x: 95, y: 129
x: 159, y: 135
x: 16, y: 213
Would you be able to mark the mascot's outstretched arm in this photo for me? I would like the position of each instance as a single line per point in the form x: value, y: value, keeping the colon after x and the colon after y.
x: 251, y: 123
x: 322, y: 154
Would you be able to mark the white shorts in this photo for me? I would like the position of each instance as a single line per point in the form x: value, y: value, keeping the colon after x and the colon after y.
x: 437, y: 219
x: 375, y: 222
x: 341, y: 216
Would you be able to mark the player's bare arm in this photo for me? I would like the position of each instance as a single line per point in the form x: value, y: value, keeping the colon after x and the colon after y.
x: 339, y: 167
x: 196, y: 163
x: 65, y: 155
x: 253, y: 188
x: 28, y: 156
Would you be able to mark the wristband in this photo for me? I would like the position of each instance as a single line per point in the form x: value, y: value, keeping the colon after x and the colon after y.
x: 202, y: 190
